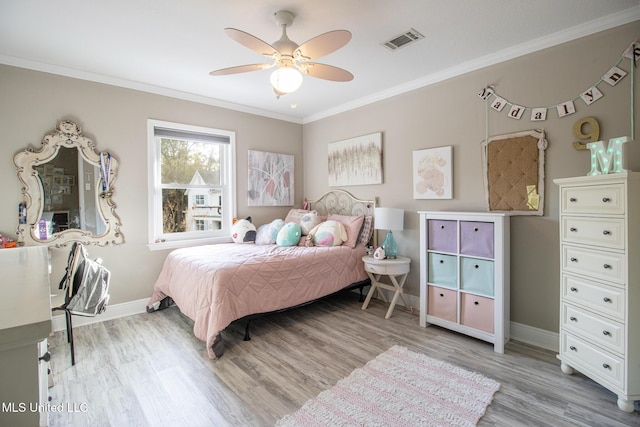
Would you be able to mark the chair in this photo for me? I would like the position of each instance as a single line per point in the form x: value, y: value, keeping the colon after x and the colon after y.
x: 86, y: 283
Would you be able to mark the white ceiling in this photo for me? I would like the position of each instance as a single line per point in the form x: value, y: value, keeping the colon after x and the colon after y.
x: 169, y: 47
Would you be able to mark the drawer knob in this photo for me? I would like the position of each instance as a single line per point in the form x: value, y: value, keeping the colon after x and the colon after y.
x: 607, y: 267
x: 476, y: 303
x: 573, y: 229
x: 574, y: 289
x: 475, y: 229
x: 607, y: 333
x: 606, y: 232
x: 606, y: 199
x: 607, y: 299
x: 606, y: 366
x: 441, y: 261
x: 574, y: 259
x: 476, y: 266
x: 573, y: 348
x: 442, y: 227
x: 573, y: 200
x: 573, y: 319
x: 45, y: 357
x: 442, y: 295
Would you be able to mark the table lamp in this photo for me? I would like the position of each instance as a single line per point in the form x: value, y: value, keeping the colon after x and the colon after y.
x: 389, y: 219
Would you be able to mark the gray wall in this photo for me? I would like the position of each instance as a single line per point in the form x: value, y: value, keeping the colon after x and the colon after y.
x: 451, y: 113
x: 447, y: 113
x: 31, y: 103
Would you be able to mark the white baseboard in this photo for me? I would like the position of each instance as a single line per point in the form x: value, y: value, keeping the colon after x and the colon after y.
x: 535, y: 336
x: 113, y: 311
x: 520, y: 332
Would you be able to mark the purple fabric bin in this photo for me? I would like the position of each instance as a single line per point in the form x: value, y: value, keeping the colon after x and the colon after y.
x: 476, y: 238
x: 443, y: 236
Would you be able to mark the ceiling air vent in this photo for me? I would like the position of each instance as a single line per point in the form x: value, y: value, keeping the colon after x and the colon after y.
x: 403, y: 39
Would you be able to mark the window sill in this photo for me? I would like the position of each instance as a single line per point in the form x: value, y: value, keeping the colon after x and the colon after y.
x: 187, y: 243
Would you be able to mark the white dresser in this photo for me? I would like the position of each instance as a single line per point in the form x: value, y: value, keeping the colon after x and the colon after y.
x: 464, y: 274
x: 600, y: 281
x: 25, y: 324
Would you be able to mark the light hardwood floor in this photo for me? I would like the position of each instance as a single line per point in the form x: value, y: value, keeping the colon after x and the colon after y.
x: 149, y: 370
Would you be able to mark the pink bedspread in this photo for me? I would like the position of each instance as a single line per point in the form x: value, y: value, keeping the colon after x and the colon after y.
x: 217, y: 284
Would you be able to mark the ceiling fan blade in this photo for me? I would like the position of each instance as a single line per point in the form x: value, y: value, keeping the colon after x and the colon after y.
x: 324, y: 44
x: 252, y: 42
x: 240, y: 69
x: 327, y: 72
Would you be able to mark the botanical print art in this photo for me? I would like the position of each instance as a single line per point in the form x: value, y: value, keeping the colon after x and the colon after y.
x: 356, y: 161
x: 432, y: 171
x: 270, y: 179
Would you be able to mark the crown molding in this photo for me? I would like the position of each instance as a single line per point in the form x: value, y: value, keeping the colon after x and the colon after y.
x: 554, y: 39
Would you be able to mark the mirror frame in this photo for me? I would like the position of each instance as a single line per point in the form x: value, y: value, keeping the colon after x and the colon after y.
x: 67, y: 134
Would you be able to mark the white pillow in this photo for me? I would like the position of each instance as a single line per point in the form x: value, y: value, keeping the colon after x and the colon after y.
x: 308, y: 221
x: 267, y: 233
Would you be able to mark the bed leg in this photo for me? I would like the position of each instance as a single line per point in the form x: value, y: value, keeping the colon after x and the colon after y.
x: 361, y: 299
x: 247, y: 337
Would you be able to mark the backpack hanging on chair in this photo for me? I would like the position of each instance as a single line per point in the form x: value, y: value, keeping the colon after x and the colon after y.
x: 86, y: 282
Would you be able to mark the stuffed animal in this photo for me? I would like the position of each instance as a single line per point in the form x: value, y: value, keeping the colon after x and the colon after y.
x: 379, y: 253
x: 243, y: 231
x: 289, y: 235
x: 327, y: 233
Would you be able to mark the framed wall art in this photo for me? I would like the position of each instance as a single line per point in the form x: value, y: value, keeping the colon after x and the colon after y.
x: 433, y: 173
x: 270, y: 180
x: 356, y: 161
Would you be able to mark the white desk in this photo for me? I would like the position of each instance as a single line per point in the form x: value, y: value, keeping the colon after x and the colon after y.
x: 25, y: 324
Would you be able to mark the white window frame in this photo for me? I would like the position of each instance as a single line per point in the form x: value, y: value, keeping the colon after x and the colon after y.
x: 157, y: 239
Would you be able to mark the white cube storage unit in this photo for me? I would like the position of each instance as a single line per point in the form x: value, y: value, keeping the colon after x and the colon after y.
x: 464, y: 274
x: 600, y: 281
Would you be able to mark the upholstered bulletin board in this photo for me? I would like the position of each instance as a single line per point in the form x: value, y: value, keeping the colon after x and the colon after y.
x: 513, y: 167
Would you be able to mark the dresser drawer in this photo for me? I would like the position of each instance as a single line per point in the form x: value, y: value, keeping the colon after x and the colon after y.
x: 597, y: 264
x: 476, y: 312
x: 606, y: 199
x: 477, y: 275
x: 443, y: 235
x: 605, y: 232
x: 476, y: 238
x: 591, y: 360
x: 442, y: 303
x: 443, y: 270
x: 604, y: 299
x: 390, y: 267
x: 608, y: 333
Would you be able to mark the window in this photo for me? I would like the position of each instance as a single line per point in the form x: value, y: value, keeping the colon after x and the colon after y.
x: 191, y: 184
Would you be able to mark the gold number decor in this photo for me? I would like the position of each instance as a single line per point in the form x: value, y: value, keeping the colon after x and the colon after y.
x: 592, y: 136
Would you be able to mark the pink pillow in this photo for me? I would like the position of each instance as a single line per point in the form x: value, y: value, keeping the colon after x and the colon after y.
x: 295, y: 215
x: 352, y: 224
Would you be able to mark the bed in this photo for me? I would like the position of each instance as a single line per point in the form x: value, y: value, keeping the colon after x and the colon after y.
x: 215, y: 285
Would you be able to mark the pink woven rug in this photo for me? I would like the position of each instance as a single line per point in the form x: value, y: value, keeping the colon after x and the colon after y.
x: 400, y: 388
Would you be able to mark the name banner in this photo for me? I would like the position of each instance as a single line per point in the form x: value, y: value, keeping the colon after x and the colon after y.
x: 516, y: 111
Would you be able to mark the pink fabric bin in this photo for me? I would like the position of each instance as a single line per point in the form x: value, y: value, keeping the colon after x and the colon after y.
x: 476, y: 312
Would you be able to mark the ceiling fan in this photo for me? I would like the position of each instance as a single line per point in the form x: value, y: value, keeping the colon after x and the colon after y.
x: 290, y: 59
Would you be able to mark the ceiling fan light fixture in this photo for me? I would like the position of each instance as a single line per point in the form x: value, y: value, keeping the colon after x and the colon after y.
x: 286, y: 79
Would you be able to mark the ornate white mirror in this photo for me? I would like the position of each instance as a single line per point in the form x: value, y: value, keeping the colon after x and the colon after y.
x: 67, y: 191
